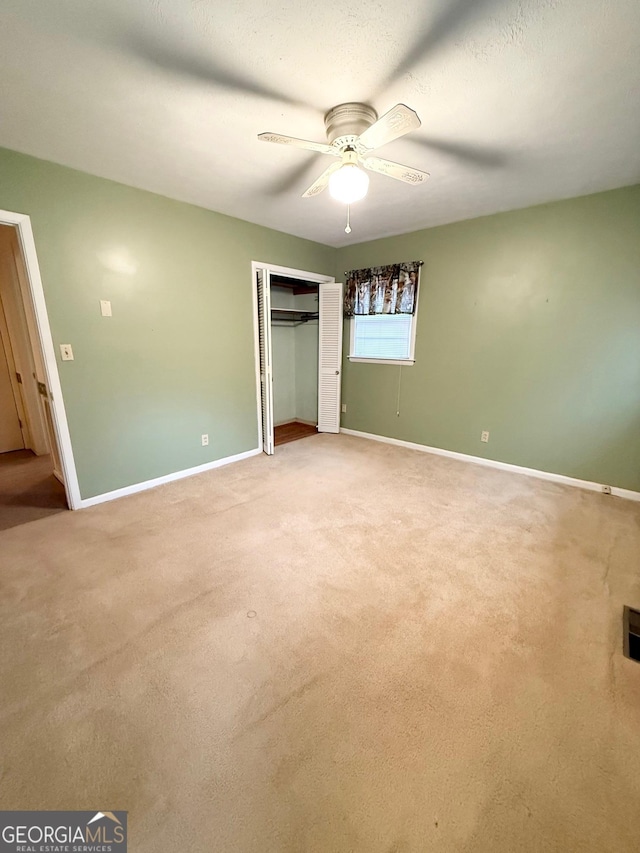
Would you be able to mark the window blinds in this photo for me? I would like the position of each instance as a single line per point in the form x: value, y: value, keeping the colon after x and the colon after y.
x: 382, y: 336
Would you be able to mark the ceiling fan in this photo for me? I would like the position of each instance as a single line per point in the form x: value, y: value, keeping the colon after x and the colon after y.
x: 353, y: 132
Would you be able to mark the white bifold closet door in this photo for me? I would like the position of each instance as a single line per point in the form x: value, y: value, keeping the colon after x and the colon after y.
x: 329, y: 356
x: 266, y: 359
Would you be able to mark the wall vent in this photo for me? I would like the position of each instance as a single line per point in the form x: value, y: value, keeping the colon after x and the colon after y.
x: 631, y: 629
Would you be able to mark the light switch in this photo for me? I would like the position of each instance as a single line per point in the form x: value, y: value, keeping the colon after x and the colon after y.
x: 105, y: 308
x: 67, y: 352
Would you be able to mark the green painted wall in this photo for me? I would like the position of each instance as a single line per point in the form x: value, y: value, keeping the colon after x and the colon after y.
x: 529, y: 327
x: 177, y: 358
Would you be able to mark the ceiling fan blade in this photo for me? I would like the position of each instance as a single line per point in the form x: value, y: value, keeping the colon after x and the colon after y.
x: 322, y: 147
x: 394, y: 123
x: 196, y: 65
x: 394, y: 170
x: 321, y: 183
x: 289, y: 180
x: 455, y: 16
x: 481, y: 155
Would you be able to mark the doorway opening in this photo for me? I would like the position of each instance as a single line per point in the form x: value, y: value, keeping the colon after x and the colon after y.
x: 34, y: 468
x: 31, y: 480
x: 298, y: 354
x: 294, y: 349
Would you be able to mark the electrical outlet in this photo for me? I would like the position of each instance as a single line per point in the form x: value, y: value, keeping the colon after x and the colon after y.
x: 344, y: 408
x: 484, y: 435
x: 205, y: 440
x: 606, y: 490
x: 66, y: 352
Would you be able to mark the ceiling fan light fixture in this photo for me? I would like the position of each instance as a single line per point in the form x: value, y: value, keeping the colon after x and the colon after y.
x: 349, y: 184
x: 354, y: 131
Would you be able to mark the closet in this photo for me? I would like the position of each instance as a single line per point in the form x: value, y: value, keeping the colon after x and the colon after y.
x: 299, y: 355
x: 294, y: 346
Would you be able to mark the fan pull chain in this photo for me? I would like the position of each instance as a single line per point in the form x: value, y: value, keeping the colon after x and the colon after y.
x: 347, y: 230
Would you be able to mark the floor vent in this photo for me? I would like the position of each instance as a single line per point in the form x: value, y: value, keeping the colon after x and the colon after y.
x: 632, y: 633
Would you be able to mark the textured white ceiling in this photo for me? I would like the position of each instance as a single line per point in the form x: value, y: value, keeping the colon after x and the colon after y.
x: 521, y: 102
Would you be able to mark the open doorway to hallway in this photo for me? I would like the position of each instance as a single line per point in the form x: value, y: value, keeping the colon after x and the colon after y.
x: 28, y: 488
x: 31, y: 482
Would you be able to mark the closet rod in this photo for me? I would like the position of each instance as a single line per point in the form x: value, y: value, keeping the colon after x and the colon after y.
x: 292, y: 315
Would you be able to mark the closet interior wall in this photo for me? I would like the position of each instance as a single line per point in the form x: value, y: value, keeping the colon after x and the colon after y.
x: 295, y: 358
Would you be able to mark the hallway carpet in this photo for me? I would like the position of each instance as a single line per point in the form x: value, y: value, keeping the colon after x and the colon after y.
x: 28, y: 489
x: 345, y: 647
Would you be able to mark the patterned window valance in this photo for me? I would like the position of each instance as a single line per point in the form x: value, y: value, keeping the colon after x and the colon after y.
x: 382, y: 290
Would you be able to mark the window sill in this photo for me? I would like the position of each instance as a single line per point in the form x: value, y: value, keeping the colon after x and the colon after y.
x: 400, y: 361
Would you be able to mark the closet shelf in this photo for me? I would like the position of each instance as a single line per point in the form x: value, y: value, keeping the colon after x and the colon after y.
x: 292, y: 316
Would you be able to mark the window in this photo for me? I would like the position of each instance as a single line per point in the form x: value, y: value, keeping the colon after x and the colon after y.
x: 382, y: 303
x: 383, y: 338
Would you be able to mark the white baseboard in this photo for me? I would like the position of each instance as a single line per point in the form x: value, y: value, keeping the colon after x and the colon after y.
x: 167, y: 478
x: 492, y: 463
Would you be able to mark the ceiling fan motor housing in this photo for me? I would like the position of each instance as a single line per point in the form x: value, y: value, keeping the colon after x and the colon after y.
x: 346, y: 122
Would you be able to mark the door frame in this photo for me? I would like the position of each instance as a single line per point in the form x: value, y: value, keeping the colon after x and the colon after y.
x: 34, y: 293
x: 280, y: 270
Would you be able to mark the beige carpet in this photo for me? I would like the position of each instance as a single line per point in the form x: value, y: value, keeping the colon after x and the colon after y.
x: 28, y: 489
x: 347, y: 647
